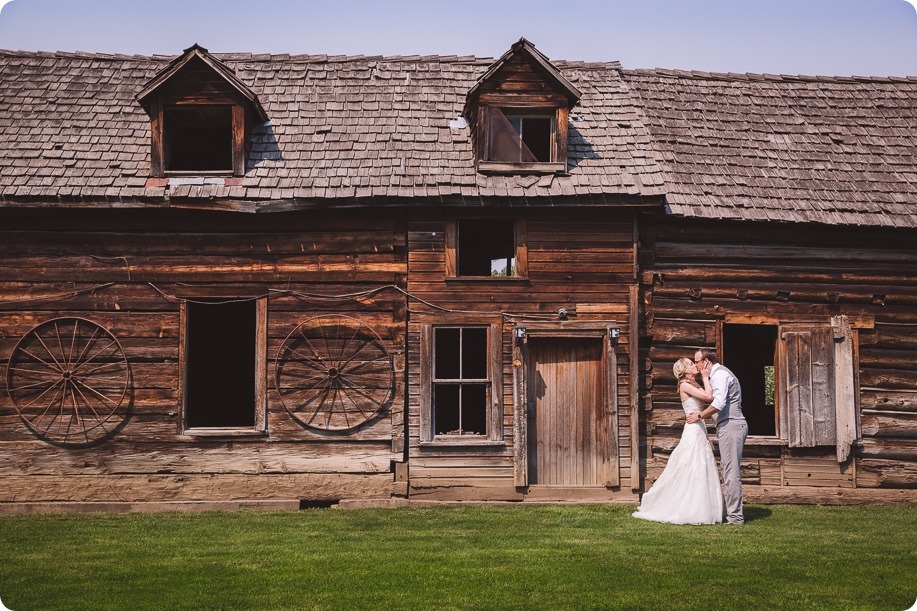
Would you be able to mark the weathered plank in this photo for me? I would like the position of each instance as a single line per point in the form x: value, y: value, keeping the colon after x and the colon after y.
x: 154, y: 487
x: 812, y: 495
x: 213, y: 457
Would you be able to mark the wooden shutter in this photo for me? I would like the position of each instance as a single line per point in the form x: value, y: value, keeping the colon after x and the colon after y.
x: 807, y: 384
x: 426, y: 386
x: 844, y: 386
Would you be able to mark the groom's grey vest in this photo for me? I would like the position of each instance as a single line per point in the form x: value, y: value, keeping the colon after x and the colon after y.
x: 733, y: 408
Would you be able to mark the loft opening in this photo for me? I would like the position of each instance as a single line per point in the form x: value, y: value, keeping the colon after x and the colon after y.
x: 486, y: 247
x: 460, y: 381
x: 221, y: 365
x: 750, y: 353
x: 198, y: 138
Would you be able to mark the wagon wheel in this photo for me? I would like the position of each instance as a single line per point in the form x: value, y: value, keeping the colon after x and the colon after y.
x: 333, y: 373
x: 67, y: 379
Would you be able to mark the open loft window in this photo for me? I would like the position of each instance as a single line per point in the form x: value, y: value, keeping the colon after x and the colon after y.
x: 518, y: 135
x: 798, y: 381
x: 460, y: 383
x: 223, y: 366
x: 197, y: 138
x: 486, y: 248
x: 523, y: 140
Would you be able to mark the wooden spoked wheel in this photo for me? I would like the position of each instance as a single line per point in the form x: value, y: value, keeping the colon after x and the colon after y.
x: 333, y: 373
x: 67, y: 379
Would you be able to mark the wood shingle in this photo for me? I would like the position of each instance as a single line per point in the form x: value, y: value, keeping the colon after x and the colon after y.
x: 841, y: 151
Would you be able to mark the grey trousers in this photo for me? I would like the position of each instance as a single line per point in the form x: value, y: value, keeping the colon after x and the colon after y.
x: 731, y: 435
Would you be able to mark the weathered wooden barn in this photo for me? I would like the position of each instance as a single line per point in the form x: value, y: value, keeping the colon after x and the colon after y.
x: 264, y: 280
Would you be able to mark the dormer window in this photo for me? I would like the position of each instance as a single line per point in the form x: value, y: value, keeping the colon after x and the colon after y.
x: 201, y: 117
x: 519, y: 109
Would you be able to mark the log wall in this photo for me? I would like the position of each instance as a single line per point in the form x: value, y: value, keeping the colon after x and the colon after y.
x: 583, y: 262
x: 694, y: 277
x: 123, y: 269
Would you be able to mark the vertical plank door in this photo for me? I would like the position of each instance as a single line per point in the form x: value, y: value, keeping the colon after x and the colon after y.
x: 568, y: 434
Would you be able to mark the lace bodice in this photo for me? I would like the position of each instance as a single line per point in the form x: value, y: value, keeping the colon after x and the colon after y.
x: 693, y: 404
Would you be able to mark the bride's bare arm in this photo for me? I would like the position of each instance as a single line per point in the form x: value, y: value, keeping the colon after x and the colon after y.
x: 705, y: 394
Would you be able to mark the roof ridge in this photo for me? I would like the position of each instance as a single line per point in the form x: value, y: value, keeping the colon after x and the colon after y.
x: 253, y: 57
x: 757, y: 77
x: 83, y: 55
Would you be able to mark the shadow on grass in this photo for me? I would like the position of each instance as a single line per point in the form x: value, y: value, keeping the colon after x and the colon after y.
x: 757, y: 513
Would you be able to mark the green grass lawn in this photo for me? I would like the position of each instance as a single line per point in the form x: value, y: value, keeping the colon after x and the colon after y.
x: 500, y: 557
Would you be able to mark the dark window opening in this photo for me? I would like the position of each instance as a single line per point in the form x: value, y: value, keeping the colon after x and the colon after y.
x: 486, y: 248
x: 460, y: 384
x: 520, y: 135
x: 220, y: 374
x: 748, y: 351
x: 198, y: 138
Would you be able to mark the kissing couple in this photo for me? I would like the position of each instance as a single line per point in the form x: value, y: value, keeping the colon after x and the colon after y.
x: 688, y: 490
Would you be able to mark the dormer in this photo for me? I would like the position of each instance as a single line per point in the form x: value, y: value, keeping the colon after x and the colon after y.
x: 201, y: 117
x: 518, y: 111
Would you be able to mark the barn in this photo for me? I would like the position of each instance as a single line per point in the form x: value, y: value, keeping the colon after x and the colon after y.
x: 295, y: 280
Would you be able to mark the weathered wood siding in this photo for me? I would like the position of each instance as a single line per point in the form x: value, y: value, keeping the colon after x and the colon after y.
x: 578, y: 260
x: 122, y: 270
x: 697, y: 276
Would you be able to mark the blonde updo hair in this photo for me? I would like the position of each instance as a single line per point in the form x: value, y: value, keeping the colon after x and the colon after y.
x: 680, y: 369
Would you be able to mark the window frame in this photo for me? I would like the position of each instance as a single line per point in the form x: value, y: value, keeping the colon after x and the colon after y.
x: 558, y: 161
x: 452, y: 246
x: 796, y: 324
x: 259, y: 362
x: 494, y: 401
x: 160, y: 144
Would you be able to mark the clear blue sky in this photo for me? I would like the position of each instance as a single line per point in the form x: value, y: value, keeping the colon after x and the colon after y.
x: 829, y: 37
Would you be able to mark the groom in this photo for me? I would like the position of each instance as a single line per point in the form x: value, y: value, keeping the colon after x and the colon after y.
x: 731, y: 428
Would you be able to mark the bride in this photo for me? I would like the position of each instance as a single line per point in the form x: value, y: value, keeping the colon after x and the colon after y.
x: 688, y: 491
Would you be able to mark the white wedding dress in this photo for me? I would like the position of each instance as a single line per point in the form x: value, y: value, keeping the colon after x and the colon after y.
x: 688, y: 491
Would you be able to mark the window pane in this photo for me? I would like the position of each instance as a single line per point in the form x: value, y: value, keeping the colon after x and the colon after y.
x: 474, y: 354
x: 446, y: 409
x: 482, y: 242
x: 504, y: 139
x: 536, y: 135
x: 221, y: 365
x: 447, y: 355
x: 474, y: 409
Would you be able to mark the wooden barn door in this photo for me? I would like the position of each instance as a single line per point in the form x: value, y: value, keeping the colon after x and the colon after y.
x: 568, y: 429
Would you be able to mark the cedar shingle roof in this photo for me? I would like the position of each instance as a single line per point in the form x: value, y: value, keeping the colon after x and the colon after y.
x: 341, y: 128
x: 375, y: 130
x: 761, y: 147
